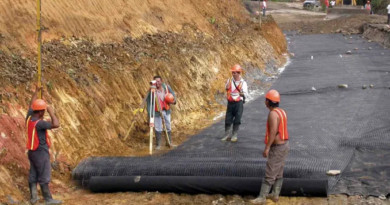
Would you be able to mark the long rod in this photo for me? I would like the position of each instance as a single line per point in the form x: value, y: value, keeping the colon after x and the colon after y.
x: 39, y: 33
x: 151, y: 123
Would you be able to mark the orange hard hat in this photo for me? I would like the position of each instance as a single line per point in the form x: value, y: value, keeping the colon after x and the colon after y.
x: 39, y: 104
x: 236, y: 68
x: 169, y: 98
x: 273, y: 95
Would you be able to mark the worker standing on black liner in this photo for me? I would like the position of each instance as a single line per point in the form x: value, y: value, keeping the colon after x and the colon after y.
x: 276, y: 149
x: 237, y: 91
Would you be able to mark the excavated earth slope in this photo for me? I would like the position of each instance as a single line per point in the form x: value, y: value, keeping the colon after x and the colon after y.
x: 98, y: 60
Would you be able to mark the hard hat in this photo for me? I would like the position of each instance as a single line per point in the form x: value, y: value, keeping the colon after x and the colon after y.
x: 273, y: 95
x: 39, y: 104
x: 169, y: 98
x: 236, y: 68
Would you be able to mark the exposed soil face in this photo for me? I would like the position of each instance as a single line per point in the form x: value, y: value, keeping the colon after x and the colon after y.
x: 379, y: 33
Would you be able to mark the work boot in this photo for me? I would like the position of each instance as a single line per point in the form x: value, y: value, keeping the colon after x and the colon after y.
x: 226, y: 136
x: 235, y: 130
x: 47, y: 195
x: 274, y: 196
x: 158, y: 140
x: 261, y: 199
x: 33, y: 193
x: 170, y: 140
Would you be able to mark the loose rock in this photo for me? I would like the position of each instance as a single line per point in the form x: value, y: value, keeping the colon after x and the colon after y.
x: 343, y: 86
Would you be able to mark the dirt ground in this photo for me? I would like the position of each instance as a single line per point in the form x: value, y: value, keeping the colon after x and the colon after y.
x: 289, y: 16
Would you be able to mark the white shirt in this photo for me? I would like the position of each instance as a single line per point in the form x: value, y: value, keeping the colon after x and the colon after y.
x: 388, y: 9
x: 244, y: 88
x: 264, y: 4
x: 332, y: 3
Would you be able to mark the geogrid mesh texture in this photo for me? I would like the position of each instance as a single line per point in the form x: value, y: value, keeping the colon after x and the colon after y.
x: 329, y: 127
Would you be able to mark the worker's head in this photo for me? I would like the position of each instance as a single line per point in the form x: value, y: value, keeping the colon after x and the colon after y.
x: 236, y: 71
x: 272, y: 99
x: 39, y: 107
x: 158, y: 80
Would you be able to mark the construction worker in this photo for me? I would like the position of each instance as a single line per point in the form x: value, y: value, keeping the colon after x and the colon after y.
x: 368, y: 7
x: 237, y: 91
x: 276, y: 149
x: 164, y: 95
x: 38, y: 144
x: 264, y: 6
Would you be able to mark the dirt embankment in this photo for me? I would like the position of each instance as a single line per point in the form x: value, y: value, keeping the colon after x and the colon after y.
x: 317, y: 25
x: 378, y: 33
x: 98, y: 60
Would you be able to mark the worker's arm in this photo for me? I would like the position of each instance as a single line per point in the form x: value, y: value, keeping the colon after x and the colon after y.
x: 227, y: 84
x: 244, y: 90
x: 273, y: 129
x: 34, y: 96
x: 55, y: 123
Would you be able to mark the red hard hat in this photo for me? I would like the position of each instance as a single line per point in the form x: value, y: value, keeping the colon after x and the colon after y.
x: 236, y: 68
x: 169, y: 98
x: 39, y: 104
x: 273, y: 95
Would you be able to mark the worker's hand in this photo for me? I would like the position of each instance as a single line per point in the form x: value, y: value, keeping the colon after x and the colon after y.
x: 37, y: 89
x: 242, y: 94
x: 50, y: 109
x: 265, y: 153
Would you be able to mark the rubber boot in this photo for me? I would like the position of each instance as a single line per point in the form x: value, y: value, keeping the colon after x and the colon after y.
x: 274, y: 196
x: 47, y: 195
x: 170, y: 140
x: 158, y: 140
x: 261, y: 199
x: 235, y: 130
x: 226, y: 136
x: 33, y: 193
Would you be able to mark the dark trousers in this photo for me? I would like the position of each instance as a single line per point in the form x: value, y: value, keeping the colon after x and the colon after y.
x: 40, y: 168
x: 388, y: 18
x: 234, y: 113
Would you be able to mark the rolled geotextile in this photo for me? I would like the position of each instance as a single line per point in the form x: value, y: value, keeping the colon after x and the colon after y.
x: 205, y: 185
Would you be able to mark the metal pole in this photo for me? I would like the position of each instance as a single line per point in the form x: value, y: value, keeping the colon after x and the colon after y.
x: 260, y: 13
x: 152, y: 115
x: 39, y: 33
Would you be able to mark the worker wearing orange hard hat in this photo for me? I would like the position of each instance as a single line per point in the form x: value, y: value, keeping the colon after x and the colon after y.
x: 276, y: 149
x: 38, y: 144
x: 237, y: 92
x: 165, y: 97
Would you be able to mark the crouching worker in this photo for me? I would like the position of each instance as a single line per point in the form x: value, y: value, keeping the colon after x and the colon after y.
x: 164, y: 97
x: 276, y: 149
x: 38, y: 144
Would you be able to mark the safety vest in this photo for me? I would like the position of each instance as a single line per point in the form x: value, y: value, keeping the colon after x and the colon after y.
x: 32, y: 135
x: 282, y: 130
x: 231, y: 89
x: 163, y: 105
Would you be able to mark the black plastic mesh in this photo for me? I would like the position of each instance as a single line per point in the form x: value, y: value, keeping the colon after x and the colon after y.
x: 326, y: 126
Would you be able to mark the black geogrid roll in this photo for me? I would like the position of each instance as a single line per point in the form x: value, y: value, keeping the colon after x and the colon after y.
x: 330, y: 127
